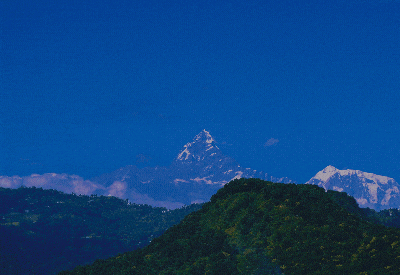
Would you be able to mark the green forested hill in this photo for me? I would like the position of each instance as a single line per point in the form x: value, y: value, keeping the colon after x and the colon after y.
x: 46, y: 231
x: 257, y: 227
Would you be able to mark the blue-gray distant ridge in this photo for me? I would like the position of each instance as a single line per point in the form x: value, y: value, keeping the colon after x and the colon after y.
x: 196, y: 173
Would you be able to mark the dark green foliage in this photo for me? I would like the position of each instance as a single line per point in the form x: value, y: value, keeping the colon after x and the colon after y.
x: 46, y: 231
x: 257, y: 227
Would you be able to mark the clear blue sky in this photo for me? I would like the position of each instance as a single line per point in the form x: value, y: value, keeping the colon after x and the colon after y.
x: 286, y: 87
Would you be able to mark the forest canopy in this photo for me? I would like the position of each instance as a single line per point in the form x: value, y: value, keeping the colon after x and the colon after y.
x: 256, y: 227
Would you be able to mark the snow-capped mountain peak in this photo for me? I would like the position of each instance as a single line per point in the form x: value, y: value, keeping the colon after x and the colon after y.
x: 326, y: 173
x: 202, y: 146
x: 201, y: 159
x: 369, y: 190
x: 198, y: 171
x: 329, y: 171
x: 204, y: 136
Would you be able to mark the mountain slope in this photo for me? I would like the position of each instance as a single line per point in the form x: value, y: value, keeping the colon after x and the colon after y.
x: 198, y: 171
x: 46, y: 231
x: 209, y: 165
x: 256, y: 227
x: 370, y: 190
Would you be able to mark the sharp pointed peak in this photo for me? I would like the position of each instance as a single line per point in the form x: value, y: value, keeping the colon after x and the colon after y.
x: 204, y: 135
x: 203, y: 144
x: 204, y: 132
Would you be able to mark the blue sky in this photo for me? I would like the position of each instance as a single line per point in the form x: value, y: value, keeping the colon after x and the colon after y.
x: 286, y: 87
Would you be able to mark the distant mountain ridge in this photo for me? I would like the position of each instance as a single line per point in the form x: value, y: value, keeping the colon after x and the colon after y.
x: 196, y: 173
x: 369, y: 190
x: 211, y: 166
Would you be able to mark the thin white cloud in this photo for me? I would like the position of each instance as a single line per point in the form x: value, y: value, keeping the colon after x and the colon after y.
x: 10, y: 182
x: 118, y: 189
x: 61, y: 182
x: 271, y: 141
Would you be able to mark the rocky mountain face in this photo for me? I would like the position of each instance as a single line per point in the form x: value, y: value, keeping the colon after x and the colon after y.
x: 198, y: 171
x: 369, y: 190
x: 209, y: 165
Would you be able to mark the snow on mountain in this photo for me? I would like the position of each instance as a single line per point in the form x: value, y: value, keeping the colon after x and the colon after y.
x: 197, y: 172
x: 369, y: 190
x: 202, y: 146
x: 204, y: 159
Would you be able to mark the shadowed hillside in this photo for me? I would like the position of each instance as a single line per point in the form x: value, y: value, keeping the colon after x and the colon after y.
x: 46, y: 231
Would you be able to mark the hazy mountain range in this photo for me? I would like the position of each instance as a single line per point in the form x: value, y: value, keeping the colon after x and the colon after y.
x: 197, y: 172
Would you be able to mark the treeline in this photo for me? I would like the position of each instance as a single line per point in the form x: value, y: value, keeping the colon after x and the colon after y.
x: 46, y: 231
x: 257, y: 227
